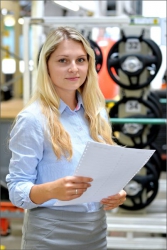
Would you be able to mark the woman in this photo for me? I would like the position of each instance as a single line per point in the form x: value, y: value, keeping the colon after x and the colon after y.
x: 66, y: 110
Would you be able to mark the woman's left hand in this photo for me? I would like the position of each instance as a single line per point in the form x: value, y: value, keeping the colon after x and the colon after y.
x: 114, y: 201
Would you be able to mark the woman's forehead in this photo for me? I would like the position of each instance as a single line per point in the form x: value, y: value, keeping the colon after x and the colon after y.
x: 70, y: 46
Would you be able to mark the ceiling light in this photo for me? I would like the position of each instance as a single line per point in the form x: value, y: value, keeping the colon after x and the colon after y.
x: 9, y: 20
x: 22, y: 66
x: 68, y: 4
x: 8, y: 66
x: 103, y: 43
x: 21, y: 21
x: 4, y: 12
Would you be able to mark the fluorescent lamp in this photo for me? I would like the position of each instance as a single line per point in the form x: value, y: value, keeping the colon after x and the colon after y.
x: 22, y: 66
x: 4, y: 11
x: 8, y: 66
x: 68, y: 4
x: 103, y: 43
x: 21, y: 21
x: 9, y: 20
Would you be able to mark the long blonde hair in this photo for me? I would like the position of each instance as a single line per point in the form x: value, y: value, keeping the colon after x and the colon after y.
x: 93, y: 99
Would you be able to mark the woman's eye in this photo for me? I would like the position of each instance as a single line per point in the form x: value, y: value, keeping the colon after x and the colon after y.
x: 81, y: 59
x: 62, y: 60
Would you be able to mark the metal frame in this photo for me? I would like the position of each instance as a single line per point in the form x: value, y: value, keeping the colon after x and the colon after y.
x: 135, y: 229
x: 155, y: 121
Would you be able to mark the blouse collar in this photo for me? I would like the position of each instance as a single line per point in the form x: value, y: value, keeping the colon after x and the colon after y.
x: 63, y: 105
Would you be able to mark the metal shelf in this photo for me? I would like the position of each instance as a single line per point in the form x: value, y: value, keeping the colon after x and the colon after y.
x: 149, y: 243
x: 143, y: 229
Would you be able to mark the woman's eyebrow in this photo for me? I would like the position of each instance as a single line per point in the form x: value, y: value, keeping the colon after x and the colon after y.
x: 69, y: 56
x: 62, y: 55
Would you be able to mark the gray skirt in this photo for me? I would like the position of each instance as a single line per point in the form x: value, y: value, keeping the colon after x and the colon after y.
x: 48, y: 229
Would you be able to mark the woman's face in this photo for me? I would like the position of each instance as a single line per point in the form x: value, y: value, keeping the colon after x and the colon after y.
x: 68, y: 66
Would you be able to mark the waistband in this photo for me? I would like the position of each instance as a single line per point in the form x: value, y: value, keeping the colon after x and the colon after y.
x: 53, y: 214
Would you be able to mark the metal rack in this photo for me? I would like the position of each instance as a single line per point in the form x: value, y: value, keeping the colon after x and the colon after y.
x: 139, y: 230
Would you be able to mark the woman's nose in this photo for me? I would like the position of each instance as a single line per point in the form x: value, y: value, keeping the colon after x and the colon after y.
x: 73, y: 67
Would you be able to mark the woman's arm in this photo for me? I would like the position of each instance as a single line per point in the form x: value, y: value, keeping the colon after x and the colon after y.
x: 26, y: 144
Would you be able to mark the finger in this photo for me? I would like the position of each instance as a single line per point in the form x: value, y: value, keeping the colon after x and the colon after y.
x: 117, y: 197
x: 81, y: 185
x: 121, y: 194
x: 113, y: 201
x: 75, y: 182
x: 81, y: 179
x: 109, y: 206
x: 117, y: 201
x: 78, y: 192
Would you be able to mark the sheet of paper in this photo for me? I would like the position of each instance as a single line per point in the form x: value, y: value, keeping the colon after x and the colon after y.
x: 111, y: 168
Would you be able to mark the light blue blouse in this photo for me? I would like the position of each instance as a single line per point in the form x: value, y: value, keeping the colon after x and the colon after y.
x: 33, y: 160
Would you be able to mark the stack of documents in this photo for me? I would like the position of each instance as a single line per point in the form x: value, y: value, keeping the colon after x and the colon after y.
x: 111, y: 168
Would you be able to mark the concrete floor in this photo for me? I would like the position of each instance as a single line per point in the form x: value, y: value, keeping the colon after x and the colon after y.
x: 13, y: 241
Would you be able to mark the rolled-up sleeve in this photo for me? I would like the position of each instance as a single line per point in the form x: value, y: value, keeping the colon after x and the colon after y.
x: 26, y: 145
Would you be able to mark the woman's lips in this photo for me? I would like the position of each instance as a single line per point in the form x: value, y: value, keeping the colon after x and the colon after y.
x: 72, y: 78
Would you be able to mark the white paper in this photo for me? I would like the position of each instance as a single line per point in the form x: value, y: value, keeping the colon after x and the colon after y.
x: 110, y: 167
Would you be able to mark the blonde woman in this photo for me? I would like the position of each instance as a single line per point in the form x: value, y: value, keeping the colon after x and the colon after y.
x: 66, y: 110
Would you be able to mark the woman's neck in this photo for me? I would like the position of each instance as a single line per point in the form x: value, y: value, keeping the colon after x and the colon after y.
x: 69, y: 98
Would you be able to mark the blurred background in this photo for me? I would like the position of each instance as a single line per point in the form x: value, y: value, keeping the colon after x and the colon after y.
x: 129, y: 42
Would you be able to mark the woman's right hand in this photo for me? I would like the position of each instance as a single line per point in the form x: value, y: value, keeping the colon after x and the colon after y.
x: 69, y: 187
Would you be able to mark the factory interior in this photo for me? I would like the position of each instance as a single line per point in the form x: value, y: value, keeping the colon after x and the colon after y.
x: 129, y: 42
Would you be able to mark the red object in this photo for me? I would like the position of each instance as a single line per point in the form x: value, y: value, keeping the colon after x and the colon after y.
x: 108, y: 87
x: 4, y: 222
x: 4, y: 226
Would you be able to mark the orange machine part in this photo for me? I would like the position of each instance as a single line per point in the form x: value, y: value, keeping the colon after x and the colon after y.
x: 108, y: 87
x: 8, y: 206
x: 5, y: 222
x: 4, y: 225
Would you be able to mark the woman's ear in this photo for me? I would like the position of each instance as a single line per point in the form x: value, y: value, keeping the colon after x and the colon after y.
x: 48, y: 70
x: 47, y: 67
